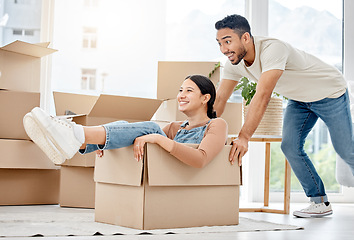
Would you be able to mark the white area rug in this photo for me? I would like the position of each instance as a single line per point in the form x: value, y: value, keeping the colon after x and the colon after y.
x: 52, y: 220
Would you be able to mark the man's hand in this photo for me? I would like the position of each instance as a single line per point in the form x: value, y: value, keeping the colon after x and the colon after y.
x: 238, y: 150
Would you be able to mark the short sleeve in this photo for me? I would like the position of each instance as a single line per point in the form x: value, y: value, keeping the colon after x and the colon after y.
x: 274, y: 56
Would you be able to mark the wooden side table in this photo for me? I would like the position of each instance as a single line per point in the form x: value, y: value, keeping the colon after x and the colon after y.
x: 287, y: 181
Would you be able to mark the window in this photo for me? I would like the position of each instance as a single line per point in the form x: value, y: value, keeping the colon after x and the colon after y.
x: 89, y: 37
x: 17, y: 32
x: 128, y: 46
x: 23, y: 32
x: 20, y: 20
x: 315, y: 27
x: 88, y: 79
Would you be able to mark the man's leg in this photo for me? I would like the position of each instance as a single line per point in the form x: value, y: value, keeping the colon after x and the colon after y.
x: 298, y: 122
x: 335, y: 112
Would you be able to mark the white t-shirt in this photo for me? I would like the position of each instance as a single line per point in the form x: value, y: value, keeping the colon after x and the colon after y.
x: 305, y: 77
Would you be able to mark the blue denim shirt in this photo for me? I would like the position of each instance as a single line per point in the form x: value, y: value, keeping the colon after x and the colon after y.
x: 194, y: 135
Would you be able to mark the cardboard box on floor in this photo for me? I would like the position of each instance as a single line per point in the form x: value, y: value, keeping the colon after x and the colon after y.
x: 168, y: 111
x: 163, y: 192
x: 172, y: 74
x: 13, y: 107
x: 77, y: 187
x: 77, y: 173
x: 20, y: 65
x: 27, y: 176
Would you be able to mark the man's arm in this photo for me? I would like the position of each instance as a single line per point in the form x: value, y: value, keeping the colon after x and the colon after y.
x: 223, y: 94
x: 258, y: 105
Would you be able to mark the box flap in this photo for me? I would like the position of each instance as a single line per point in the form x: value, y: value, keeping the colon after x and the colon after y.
x: 23, y: 154
x: 29, y: 49
x: 166, y: 170
x: 118, y: 166
x: 172, y: 74
x: 43, y: 44
x: 125, y: 108
x: 76, y: 103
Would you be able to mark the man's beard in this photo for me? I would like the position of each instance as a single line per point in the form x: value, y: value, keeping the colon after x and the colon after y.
x: 240, y: 56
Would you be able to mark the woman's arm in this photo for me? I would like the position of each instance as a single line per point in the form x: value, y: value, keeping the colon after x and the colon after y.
x: 213, y: 142
x: 139, y: 144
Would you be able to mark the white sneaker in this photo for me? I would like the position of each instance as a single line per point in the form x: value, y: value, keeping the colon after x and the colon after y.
x: 315, y: 210
x: 38, y: 137
x: 59, y: 131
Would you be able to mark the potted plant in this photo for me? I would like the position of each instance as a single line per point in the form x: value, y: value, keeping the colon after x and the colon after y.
x: 272, y: 120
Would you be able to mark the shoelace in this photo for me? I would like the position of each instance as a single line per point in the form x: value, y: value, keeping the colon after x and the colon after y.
x: 66, y: 121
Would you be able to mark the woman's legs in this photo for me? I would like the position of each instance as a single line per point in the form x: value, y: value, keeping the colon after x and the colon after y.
x: 117, y: 134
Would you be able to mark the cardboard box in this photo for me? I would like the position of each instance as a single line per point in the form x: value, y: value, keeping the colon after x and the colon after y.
x: 172, y: 74
x: 97, y: 110
x: 13, y: 107
x: 233, y: 116
x: 108, y: 108
x: 75, y: 103
x: 27, y: 176
x: 20, y: 65
x: 168, y: 111
x: 23, y: 154
x: 77, y: 188
x: 163, y: 192
x: 29, y: 186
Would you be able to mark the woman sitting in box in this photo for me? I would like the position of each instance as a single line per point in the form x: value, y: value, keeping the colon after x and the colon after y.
x: 60, y: 138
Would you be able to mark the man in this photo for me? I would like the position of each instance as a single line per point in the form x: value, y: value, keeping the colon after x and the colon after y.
x: 314, y: 88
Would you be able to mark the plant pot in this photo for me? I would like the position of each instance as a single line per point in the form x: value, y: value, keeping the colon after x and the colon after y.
x: 272, y: 120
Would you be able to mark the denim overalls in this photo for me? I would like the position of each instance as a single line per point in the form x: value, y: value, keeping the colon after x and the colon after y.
x: 122, y: 134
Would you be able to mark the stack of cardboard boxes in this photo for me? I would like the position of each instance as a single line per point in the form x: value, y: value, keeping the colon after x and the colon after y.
x: 27, y: 176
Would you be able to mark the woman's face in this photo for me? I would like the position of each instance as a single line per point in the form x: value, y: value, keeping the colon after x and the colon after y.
x: 190, y: 97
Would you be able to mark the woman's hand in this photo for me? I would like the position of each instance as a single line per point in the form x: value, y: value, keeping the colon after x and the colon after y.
x: 99, y: 153
x: 139, y: 144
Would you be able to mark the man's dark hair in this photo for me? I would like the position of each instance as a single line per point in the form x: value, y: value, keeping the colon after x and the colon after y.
x: 235, y: 22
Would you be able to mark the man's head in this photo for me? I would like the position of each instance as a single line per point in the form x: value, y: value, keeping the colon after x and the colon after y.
x: 234, y: 37
x: 235, y: 22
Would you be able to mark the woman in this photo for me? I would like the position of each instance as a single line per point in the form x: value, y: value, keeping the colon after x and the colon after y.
x: 60, y: 139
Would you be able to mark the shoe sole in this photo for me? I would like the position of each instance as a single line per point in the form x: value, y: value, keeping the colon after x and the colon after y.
x: 34, y: 131
x: 312, y: 215
x: 36, y: 118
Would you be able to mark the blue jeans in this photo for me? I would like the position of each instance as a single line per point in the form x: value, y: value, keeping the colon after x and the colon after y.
x: 122, y: 134
x: 299, y: 119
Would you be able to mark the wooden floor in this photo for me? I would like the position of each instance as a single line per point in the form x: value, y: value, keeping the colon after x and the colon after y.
x: 339, y: 226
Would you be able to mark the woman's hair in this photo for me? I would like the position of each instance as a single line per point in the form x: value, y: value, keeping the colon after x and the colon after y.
x: 206, y: 86
x: 235, y: 22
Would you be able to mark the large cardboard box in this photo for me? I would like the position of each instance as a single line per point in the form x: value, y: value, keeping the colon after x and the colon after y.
x: 163, y: 192
x: 27, y: 176
x: 168, y: 111
x: 233, y: 116
x: 107, y: 108
x: 172, y: 74
x: 77, y: 188
x: 94, y: 110
x: 20, y: 65
x: 13, y: 107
